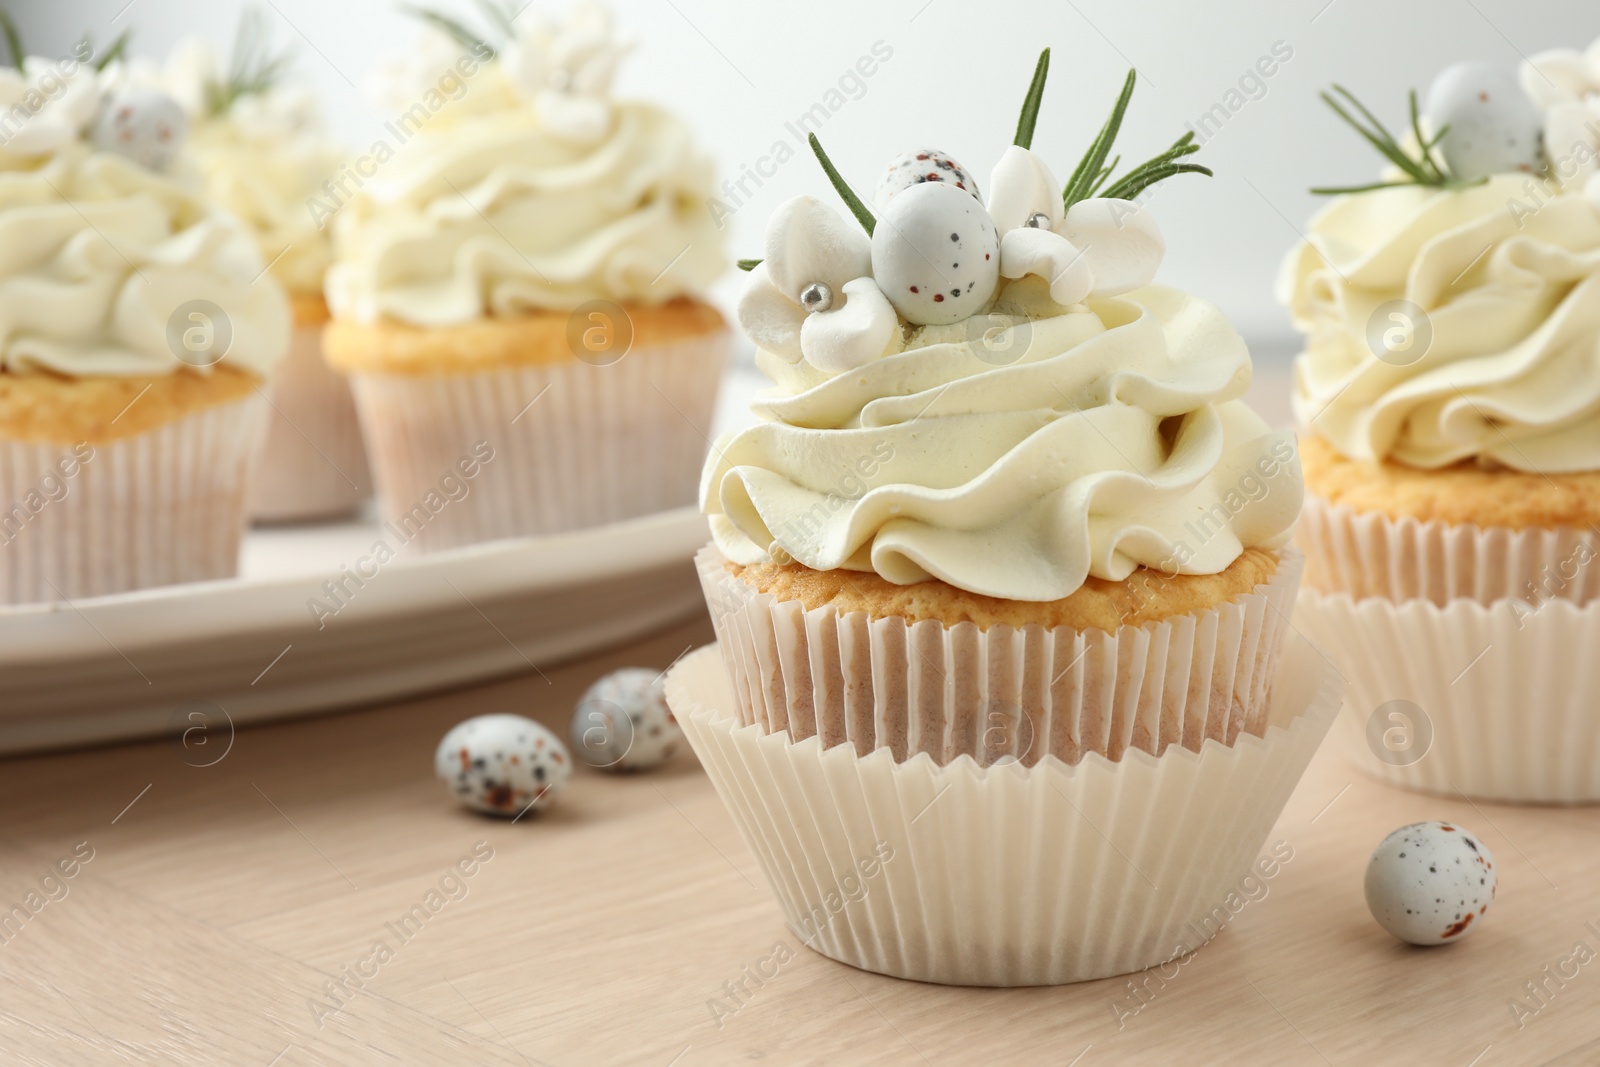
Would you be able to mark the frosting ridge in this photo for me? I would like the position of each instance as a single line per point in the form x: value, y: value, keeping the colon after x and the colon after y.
x: 1508, y: 288
x: 531, y: 190
x: 1114, y: 439
x: 97, y: 254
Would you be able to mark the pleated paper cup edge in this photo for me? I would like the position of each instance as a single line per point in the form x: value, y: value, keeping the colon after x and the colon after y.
x: 892, y: 936
x: 1341, y: 616
x: 1274, y: 597
x: 384, y: 399
x: 170, y: 508
x: 1375, y: 529
x: 1329, y: 690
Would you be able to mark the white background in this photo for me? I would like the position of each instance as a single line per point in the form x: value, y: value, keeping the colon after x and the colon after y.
x: 738, y: 70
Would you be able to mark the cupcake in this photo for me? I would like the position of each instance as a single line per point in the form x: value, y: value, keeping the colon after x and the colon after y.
x: 1449, y: 399
x: 263, y: 157
x: 1004, y: 529
x: 139, y: 332
x: 519, y: 285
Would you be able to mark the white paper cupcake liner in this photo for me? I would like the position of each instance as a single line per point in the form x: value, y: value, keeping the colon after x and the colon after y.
x: 949, y: 691
x: 1494, y: 701
x: 164, y: 507
x: 310, y: 463
x: 1004, y: 876
x: 574, y: 445
x: 1367, y: 554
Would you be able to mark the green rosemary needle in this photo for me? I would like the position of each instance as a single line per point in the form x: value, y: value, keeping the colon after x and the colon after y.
x: 1093, y: 171
x: 847, y: 194
x: 1423, y: 169
x: 1030, y: 105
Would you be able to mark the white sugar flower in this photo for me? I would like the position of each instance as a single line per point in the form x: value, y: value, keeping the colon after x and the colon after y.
x: 190, y: 68
x: 813, y: 297
x: 1565, y: 83
x: 45, y: 106
x: 397, y: 84
x: 1098, y: 246
x: 567, y: 70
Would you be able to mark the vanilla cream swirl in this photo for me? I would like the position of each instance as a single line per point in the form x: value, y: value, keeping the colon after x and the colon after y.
x: 493, y: 213
x: 1507, y: 277
x: 97, y: 255
x: 263, y: 160
x: 1116, y: 440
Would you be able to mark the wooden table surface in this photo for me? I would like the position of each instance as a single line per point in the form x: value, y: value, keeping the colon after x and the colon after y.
x: 250, y: 912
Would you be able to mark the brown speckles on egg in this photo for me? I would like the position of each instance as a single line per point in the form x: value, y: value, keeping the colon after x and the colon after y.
x: 938, y: 298
x: 493, y: 763
x: 1457, y: 928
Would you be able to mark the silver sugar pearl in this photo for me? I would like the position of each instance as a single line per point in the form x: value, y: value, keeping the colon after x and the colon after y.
x: 1038, y: 221
x: 816, y: 297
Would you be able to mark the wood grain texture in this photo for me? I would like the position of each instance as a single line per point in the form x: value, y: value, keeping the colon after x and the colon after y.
x: 218, y: 906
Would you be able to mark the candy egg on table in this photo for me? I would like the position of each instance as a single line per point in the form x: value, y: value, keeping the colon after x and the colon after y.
x: 145, y: 125
x: 935, y: 254
x: 1495, y: 128
x: 918, y: 166
x: 1430, y: 882
x: 622, y: 722
x: 502, y: 764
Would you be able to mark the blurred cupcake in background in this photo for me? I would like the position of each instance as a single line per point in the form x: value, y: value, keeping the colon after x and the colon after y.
x: 137, y: 330
x: 518, y: 286
x: 1449, y: 395
x: 263, y: 156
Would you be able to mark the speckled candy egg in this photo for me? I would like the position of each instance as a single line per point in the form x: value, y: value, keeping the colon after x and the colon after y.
x: 918, y: 166
x: 1494, y: 127
x: 935, y: 255
x: 1430, y: 882
x: 623, y: 722
x: 502, y: 764
x: 146, y: 125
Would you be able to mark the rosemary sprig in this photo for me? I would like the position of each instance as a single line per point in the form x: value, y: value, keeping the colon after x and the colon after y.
x: 13, y: 39
x: 457, y: 30
x: 1105, y: 173
x: 252, y: 68
x: 1424, y: 169
x: 749, y: 264
x: 1088, y: 172
x: 110, y: 55
x: 1160, y: 168
x: 498, y: 15
x: 1030, y: 105
x: 847, y: 194
x: 1090, y: 178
